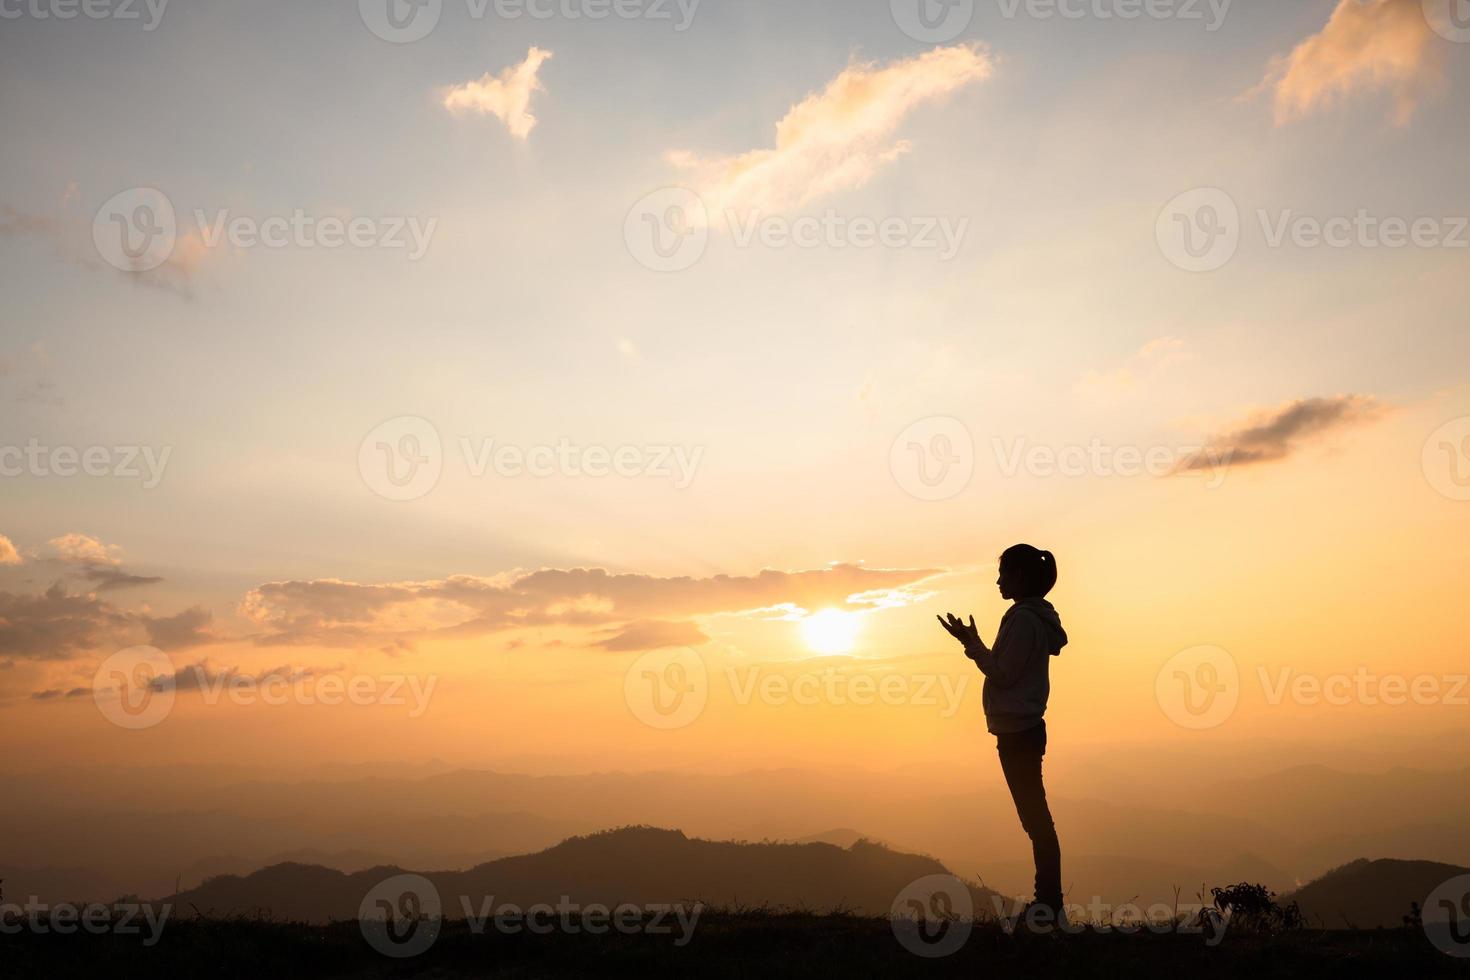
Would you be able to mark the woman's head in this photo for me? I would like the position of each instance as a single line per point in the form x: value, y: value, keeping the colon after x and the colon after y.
x: 1026, y: 573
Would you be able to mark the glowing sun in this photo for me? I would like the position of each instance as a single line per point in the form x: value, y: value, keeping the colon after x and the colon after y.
x: 831, y: 631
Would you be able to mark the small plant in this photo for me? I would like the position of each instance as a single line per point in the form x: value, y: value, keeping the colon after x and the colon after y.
x: 1254, y: 908
x: 1415, y: 918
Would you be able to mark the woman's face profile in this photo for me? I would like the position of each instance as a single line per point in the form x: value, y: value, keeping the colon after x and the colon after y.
x: 1005, y: 584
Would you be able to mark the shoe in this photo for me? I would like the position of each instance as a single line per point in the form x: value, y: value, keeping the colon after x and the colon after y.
x: 1040, y: 918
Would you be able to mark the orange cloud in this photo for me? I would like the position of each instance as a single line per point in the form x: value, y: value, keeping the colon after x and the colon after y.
x: 85, y: 550
x: 8, y: 554
x: 1367, y: 46
x: 652, y: 634
x: 506, y: 96
x: 836, y: 139
x: 334, y: 612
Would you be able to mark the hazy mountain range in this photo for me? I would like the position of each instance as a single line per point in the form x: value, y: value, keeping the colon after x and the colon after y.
x: 639, y: 865
x: 101, y: 833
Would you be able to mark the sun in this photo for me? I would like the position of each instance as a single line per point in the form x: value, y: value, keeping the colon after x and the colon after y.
x: 831, y: 631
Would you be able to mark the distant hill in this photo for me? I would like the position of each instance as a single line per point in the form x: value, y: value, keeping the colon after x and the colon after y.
x: 845, y: 837
x: 1371, y: 894
x: 639, y: 865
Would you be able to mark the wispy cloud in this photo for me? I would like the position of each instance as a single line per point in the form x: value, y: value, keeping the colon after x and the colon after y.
x: 71, y: 239
x: 334, y: 612
x: 652, y: 635
x: 1278, y: 434
x: 506, y: 96
x: 1143, y: 367
x: 1368, y: 46
x: 836, y: 139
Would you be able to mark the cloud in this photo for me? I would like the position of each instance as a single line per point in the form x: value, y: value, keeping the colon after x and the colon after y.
x: 506, y: 96
x: 1278, y: 434
x: 202, y: 677
x: 58, y: 694
x: 101, y: 564
x: 71, y: 240
x: 55, y: 625
x: 652, y: 634
x: 836, y: 139
x: 1368, y: 46
x: 8, y: 554
x: 331, y: 611
x: 82, y: 549
x: 1151, y: 360
x: 190, y: 628
x: 60, y: 625
x: 107, y: 579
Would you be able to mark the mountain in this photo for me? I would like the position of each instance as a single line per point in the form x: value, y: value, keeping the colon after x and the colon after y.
x: 640, y: 865
x: 1371, y: 894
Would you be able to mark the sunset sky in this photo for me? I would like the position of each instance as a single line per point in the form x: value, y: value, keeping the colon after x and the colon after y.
x: 785, y: 408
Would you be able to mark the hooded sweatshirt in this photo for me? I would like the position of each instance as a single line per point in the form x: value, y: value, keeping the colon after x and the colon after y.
x: 1017, y: 671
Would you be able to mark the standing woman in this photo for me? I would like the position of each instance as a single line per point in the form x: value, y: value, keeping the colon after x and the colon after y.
x: 1017, y: 685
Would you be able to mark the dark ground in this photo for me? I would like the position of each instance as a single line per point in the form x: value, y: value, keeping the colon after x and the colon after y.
x: 724, y: 945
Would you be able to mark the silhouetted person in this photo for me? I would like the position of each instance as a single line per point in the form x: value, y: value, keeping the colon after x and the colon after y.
x: 1017, y: 684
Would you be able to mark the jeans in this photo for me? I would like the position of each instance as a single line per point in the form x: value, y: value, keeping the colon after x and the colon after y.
x: 1020, y: 760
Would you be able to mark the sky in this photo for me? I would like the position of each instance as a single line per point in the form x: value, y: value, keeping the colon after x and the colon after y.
x: 616, y: 381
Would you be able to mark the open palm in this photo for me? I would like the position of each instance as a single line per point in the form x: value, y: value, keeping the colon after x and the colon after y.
x: 968, y: 635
